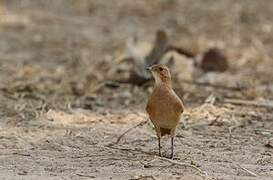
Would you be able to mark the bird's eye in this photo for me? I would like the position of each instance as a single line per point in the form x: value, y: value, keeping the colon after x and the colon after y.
x: 160, y: 69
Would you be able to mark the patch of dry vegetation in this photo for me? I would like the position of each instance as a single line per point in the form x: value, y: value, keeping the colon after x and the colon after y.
x: 59, y: 102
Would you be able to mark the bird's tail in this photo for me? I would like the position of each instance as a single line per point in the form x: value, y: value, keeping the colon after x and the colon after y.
x: 165, y: 131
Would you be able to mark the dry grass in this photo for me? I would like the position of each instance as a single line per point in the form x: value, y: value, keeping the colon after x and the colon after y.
x: 59, y: 112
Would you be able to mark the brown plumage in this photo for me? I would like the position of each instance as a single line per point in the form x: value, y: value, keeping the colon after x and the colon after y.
x: 164, y: 106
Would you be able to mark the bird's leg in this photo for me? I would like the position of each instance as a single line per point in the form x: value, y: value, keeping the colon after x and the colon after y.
x: 172, y: 138
x: 158, y: 133
x: 159, y: 147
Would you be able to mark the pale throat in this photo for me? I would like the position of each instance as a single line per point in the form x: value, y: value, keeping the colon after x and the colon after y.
x: 158, y: 80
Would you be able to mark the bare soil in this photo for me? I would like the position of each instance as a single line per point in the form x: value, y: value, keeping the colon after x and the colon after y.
x: 60, y: 117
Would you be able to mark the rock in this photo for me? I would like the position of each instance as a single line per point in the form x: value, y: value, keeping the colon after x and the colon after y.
x: 214, y: 59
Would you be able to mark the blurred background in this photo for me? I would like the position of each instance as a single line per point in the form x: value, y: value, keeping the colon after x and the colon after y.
x: 71, y: 47
x: 70, y: 64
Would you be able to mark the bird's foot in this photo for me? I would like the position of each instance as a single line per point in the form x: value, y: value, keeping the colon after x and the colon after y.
x: 166, y: 156
x: 159, y: 154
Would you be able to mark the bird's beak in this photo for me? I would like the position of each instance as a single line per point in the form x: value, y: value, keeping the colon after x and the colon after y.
x: 148, y: 68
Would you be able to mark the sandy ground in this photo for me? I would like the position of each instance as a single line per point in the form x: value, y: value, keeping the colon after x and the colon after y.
x: 47, y: 131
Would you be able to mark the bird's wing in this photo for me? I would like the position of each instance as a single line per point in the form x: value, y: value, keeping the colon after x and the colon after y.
x: 178, y: 104
x: 149, y: 108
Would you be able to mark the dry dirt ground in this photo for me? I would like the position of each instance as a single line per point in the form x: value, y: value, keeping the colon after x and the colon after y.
x: 59, y: 119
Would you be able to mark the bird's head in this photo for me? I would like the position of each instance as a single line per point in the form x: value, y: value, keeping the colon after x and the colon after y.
x: 160, y: 73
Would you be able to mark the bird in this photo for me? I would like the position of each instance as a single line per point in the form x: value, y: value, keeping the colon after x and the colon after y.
x: 164, y: 107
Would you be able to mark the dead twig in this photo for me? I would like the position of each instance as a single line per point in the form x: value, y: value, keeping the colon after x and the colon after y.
x: 130, y: 129
x: 196, y: 125
x: 143, y: 177
x: 181, y: 51
x: 111, y: 146
x: 234, y: 127
x: 161, y: 46
x: 266, y: 104
x: 248, y: 171
x: 263, y: 132
x: 211, y: 85
x: 97, y: 87
x: 85, y: 175
x: 150, y: 166
x: 21, y: 154
x: 230, y: 130
x: 173, y: 162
